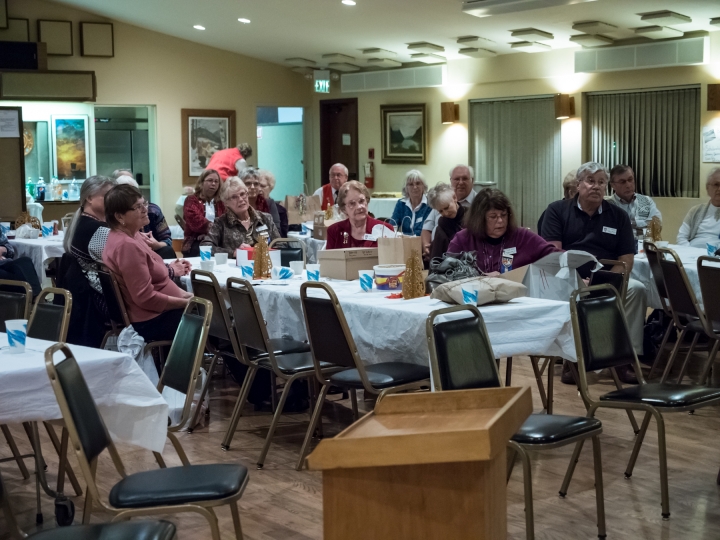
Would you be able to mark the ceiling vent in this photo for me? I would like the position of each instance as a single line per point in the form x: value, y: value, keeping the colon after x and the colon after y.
x: 486, y: 8
x: 682, y: 52
x: 396, y: 79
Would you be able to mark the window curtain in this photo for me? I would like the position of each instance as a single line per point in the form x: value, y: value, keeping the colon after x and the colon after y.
x: 656, y: 132
x: 516, y: 144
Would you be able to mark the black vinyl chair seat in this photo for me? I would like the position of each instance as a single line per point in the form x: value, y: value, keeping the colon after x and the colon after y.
x: 178, y: 485
x: 697, y: 326
x: 280, y: 346
x: 382, y: 375
x: 554, y: 428
x: 292, y: 363
x: 127, y: 530
x: 664, y: 395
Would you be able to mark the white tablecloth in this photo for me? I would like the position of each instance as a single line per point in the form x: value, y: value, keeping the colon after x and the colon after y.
x: 688, y: 256
x: 133, y: 410
x: 39, y: 250
x: 382, y: 207
x: 312, y: 245
x: 394, y: 330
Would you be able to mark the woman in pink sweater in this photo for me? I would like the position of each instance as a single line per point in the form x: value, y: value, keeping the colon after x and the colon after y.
x: 154, y: 302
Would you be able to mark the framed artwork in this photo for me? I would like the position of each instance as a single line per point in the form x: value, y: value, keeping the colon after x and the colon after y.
x: 96, y: 39
x: 404, y: 133
x: 70, y: 146
x: 204, y: 132
x: 57, y: 35
x: 17, y: 30
x: 3, y: 14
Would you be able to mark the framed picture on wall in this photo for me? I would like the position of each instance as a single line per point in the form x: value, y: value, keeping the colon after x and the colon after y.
x: 404, y: 133
x: 204, y: 132
x: 70, y: 146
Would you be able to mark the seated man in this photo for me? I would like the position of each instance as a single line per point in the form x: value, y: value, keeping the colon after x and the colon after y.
x: 701, y: 225
x: 640, y: 208
x: 589, y: 223
x: 17, y: 269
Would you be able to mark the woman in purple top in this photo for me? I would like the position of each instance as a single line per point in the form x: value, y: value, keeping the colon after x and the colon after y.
x: 491, y: 231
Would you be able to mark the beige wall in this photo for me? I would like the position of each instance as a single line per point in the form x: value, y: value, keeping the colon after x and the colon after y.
x: 517, y: 75
x: 154, y: 69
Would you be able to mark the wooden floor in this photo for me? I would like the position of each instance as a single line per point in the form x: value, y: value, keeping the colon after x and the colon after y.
x: 282, y: 504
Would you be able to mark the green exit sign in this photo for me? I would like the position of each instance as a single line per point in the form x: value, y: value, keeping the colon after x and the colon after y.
x: 322, y: 81
x: 322, y: 87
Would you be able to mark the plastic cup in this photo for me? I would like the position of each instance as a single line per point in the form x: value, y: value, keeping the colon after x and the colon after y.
x: 297, y: 267
x: 470, y: 294
x: 241, y: 255
x: 221, y: 258
x: 247, y: 269
x: 711, y: 250
x: 366, y: 279
x: 47, y: 229
x: 34, y: 234
x: 208, y: 266
x: 313, y: 272
x: 205, y: 253
x: 276, y: 258
x: 281, y: 272
x: 5, y: 227
x: 17, y: 334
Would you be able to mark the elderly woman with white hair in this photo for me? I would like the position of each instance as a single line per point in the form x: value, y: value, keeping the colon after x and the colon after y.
x: 241, y: 225
x: 410, y: 211
x: 267, y: 184
x: 701, y: 225
x: 443, y: 199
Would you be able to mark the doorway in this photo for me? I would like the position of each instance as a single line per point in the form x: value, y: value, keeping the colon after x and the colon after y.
x: 280, y: 148
x: 339, y: 136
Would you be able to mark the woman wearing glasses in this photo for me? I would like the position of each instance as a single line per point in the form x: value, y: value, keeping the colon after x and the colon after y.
x: 241, y: 225
x: 359, y: 229
x: 154, y: 302
x: 200, y: 210
x: 412, y: 210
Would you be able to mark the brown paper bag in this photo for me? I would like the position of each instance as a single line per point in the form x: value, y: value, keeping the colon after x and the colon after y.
x: 489, y: 290
x: 397, y: 250
x: 312, y: 205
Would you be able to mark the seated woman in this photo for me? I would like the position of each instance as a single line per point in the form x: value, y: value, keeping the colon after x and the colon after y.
x: 267, y: 184
x: 492, y: 232
x: 200, y: 210
x: 154, y: 302
x: 17, y: 269
x: 443, y: 199
x: 240, y: 225
x: 410, y: 211
x: 570, y: 189
x: 701, y: 225
x: 252, y: 178
x: 357, y: 229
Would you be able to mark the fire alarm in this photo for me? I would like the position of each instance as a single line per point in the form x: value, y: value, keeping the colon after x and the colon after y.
x: 371, y: 153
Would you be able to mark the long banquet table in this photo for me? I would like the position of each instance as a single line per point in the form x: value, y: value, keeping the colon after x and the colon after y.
x: 133, y: 410
x: 39, y: 250
x: 394, y: 329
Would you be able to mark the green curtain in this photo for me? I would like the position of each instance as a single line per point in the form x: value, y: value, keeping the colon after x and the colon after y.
x: 656, y: 132
x: 516, y: 144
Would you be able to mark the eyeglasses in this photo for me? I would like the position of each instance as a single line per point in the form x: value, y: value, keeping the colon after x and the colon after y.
x: 237, y: 197
x: 141, y: 206
x: 593, y: 183
x: 252, y: 184
x: 354, y: 204
x: 414, y: 184
x: 211, y: 180
x: 497, y: 217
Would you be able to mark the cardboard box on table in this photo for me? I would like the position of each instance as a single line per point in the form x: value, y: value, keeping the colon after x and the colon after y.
x: 345, y: 263
x: 553, y: 277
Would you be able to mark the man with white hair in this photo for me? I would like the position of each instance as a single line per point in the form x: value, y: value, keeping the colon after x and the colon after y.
x: 588, y: 222
x: 328, y: 193
x: 701, y: 225
x: 461, y: 180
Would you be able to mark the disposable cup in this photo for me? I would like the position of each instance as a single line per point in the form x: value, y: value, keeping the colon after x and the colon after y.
x: 470, y: 294
x: 241, y: 255
x: 47, y: 229
x: 247, y: 269
x: 205, y: 253
x: 208, y: 266
x: 17, y: 334
x: 221, y: 258
x: 711, y: 250
x: 366, y: 279
x: 313, y: 272
x: 297, y: 267
x: 281, y: 272
x: 34, y: 234
x: 276, y: 258
x: 5, y: 227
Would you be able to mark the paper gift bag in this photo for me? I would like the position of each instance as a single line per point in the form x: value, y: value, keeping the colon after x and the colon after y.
x: 397, y: 250
x: 295, y: 217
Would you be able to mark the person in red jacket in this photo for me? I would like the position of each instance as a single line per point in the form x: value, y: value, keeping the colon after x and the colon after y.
x: 328, y: 193
x: 231, y: 161
x: 359, y: 229
x: 200, y: 210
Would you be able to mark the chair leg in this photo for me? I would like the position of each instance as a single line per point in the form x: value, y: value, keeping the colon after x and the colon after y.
x: 571, y: 468
x: 638, y: 444
x: 673, y: 355
x: 511, y: 455
x: 353, y: 398
x: 687, y: 357
x: 550, y: 385
x: 273, y: 393
x: 630, y: 414
x: 87, y: 508
x: 179, y: 449
x: 213, y: 521
x: 508, y: 371
x: 710, y: 362
x: 538, y: 380
x: 274, y: 423
x: 316, y: 415
x: 527, y: 484
x: 14, y: 450
x: 62, y: 454
x: 599, y: 491
x: 203, y: 393
x: 236, y: 520
x: 662, y: 455
x: 670, y: 328
x: 239, y: 405
x: 160, y: 460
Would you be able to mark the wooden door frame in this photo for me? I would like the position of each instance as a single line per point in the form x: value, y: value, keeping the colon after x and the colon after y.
x: 324, y: 143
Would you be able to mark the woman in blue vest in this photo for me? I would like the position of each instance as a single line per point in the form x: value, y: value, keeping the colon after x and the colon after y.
x: 410, y: 211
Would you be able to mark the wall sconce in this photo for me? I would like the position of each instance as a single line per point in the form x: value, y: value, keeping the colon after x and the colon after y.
x: 449, y: 112
x: 564, y: 106
x: 713, y: 103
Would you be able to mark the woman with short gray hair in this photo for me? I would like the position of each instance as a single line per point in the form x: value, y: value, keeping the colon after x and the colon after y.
x: 701, y: 225
x: 410, y: 211
x: 443, y: 199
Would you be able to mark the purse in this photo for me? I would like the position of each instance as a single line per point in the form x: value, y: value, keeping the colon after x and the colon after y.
x: 451, y: 267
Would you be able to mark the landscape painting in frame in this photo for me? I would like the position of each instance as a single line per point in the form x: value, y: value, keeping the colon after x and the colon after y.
x: 404, y: 133
x: 70, y: 146
x: 207, y: 136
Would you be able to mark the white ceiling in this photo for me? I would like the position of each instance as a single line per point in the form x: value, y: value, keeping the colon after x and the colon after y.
x: 282, y: 29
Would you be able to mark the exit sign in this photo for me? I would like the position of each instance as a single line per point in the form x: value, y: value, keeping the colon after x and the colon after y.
x: 322, y: 81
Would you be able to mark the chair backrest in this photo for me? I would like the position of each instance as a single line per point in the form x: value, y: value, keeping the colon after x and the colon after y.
x: 113, y: 298
x: 709, y: 275
x: 247, y: 316
x: 15, y: 300
x: 461, y: 355
x: 205, y: 285
x: 680, y: 293
x: 602, y: 339
x: 291, y: 249
x: 653, y: 257
x: 50, y: 321
x: 605, y: 276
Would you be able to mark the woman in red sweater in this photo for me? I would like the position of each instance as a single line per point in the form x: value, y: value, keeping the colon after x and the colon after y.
x: 200, y: 210
x: 154, y: 302
x: 357, y: 229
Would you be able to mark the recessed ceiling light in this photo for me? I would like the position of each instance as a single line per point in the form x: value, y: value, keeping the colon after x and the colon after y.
x: 244, y: 21
x: 199, y: 27
x: 349, y: 2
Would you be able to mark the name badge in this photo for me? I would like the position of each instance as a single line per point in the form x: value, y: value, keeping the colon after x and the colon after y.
x: 419, y: 220
x: 510, y: 251
x: 609, y: 230
x: 262, y: 228
x: 370, y: 237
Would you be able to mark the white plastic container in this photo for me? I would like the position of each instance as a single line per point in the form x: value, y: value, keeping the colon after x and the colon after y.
x: 389, y: 277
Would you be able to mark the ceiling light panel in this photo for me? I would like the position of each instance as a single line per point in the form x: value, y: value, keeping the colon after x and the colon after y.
x: 532, y: 34
x: 199, y: 27
x: 474, y: 52
x: 665, y: 18
x: 379, y: 53
x: 594, y: 27
x: 244, y: 20
x: 587, y: 40
x: 301, y: 62
x: 337, y: 57
x: 487, y: 8
x: 427, y: 58
x: 384, y: 63
x: 530, y: 47
x: 658, y: 32
x: 343, y: 66
x: 425, y: 47
x: 467, y: 39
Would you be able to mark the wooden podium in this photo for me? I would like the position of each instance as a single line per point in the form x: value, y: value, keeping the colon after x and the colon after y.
x: 422, y: 466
